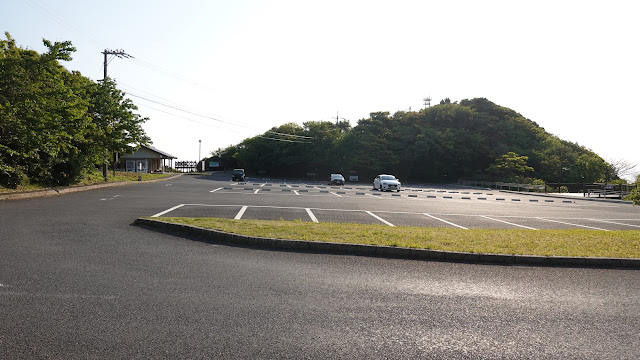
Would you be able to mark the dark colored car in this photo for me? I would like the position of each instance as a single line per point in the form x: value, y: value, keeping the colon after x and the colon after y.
x: 237, y: 174
x: 336, y: 179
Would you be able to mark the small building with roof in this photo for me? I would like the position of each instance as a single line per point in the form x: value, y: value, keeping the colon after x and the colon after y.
x: 146, y: 159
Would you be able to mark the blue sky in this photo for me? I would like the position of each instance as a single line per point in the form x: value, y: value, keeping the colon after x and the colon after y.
x: 570, y: 66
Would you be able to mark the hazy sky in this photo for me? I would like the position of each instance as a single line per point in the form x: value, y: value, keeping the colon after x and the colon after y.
x: 570, y: 66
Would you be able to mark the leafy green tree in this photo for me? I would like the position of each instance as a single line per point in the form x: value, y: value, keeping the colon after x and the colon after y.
x: 510, y: 166
x: 588, y: 168
x: 42, y: 119
x: 440, y: 143
x: 635, y: 193
x: 226, y: 157
x: 116, y: 127
x: 54, y: 124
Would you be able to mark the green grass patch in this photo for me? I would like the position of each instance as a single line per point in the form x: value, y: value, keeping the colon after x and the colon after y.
x: 91, y: 178
x: 574, y: 243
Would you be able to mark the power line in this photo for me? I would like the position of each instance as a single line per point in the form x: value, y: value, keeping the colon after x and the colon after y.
x: 151, y: 66
x: 62, y: 21
x: 284, y: 140
x: 290, y: 135
x: 187, y: 111
x: 219, y: 120
x: 148, y: 93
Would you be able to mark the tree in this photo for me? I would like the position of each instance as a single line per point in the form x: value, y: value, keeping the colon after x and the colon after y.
x: 116, y: 127
x: 440, y: 143
x: 620, y: 168
x: 510, y: 166
x: 54, y: 124
x: 635, y: 193
x: 42, y: 119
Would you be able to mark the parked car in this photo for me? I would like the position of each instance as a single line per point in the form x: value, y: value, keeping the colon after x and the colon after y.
x: 336, y: 179
x: 385, y: 182
x: 237, y: 174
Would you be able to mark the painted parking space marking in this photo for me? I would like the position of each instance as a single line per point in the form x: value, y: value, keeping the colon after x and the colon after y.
x: 240, y: 213
x: 404, y: 218
x: 445, y: 221
x: 214, y: 190
x: 313, y: 217
x: 572, y: 224
x: 168, y: 210
x: 509, y: 223
x: 422, y: 194
x: 379, y: 218
x: 256, y: 191
x: 616, y: 223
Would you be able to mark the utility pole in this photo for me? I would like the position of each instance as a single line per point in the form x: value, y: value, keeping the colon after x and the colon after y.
x: 121, y: 54
x: 427, y: 102
x: 201, y: 165
x: 118, y: 53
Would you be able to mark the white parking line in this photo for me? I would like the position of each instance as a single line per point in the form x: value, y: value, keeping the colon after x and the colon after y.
x: 617, y: 223
x: 566, y: 223
x: 506, y: 222
x: 296, y: 192
x: 168, y: 210
x: 255, y: 192
x: 240, y: 213
x: 335, y: 194
x: 379, y: 218
x: 216, y: 189
x: 445, y: 221
x: 263, y: 184
x: 313, y: 217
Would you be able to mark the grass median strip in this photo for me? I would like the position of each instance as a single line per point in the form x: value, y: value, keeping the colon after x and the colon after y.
x: 573, y: 243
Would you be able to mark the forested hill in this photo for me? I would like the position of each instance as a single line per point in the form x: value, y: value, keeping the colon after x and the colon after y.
x: 473, y: 139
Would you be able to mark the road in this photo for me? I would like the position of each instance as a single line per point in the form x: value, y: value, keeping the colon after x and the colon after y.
x: 77, y: 280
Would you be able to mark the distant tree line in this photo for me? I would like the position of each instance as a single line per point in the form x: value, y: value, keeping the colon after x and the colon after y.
x: 473, y: 139
x: 56, y: 124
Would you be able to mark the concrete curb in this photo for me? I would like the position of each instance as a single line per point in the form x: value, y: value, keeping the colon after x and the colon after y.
x: 72, y: 189
x: 209, y: 235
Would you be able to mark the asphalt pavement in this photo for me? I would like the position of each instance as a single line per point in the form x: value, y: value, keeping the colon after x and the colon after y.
x: 78, y: 280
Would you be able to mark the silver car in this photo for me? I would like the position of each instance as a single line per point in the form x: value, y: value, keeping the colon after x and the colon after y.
x: 386, y: 183
x: 336, y: 179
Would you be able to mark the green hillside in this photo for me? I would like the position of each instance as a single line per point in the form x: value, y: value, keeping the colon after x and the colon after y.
x: 472, y: 139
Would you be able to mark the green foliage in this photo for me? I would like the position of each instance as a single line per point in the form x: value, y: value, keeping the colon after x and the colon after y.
x: 438, y: 144
x: 510, y: 166
x: 635, y: 193
x: 54, y: 123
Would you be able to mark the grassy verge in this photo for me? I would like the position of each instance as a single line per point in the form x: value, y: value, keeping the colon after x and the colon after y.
x: 91, y: 179
x: 574, y: 243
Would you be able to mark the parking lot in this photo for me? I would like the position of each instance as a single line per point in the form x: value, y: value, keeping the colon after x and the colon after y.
x: 419, y: 205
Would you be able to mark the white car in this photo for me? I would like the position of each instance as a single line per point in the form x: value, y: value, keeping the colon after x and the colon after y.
x: 386, y: 183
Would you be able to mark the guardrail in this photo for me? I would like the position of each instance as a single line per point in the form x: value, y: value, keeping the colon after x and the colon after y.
x: 504, y: 186
x: 606, y: 193
x: 618, y: 191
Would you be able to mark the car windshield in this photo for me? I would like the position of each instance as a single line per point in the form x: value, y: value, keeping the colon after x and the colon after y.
x: 336, y: 176
x: 387, y: 177
x: 238, y: 171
